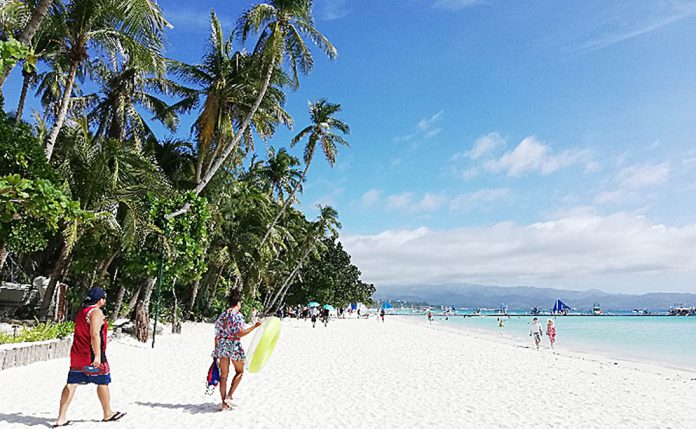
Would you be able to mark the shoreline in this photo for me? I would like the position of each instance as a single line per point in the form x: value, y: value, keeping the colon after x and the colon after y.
x: 570, y: 349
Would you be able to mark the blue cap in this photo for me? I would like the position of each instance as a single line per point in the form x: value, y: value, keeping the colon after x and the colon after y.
x: 94, y: 295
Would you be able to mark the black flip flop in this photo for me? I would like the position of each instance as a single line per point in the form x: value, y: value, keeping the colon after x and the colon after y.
x: 68, y: 423
x: 116, y: 417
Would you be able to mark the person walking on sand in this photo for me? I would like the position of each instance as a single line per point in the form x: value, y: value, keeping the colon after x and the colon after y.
x: 430, y: 317
x: 88, y: 363
x: 313, y: 312
x: 325, y: 317
x: 229, y: 328
x: 551, y: 332
x: 381, y: 314
x: 536, y: 331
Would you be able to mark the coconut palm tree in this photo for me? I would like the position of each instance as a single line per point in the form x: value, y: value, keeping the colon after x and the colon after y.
x: 228, y: 82
x: 280, y: 24
x: 327, y: 225
x: 322, y: 132
x: 127, y: 90
x: 129, y: 27
x: 104, y: 176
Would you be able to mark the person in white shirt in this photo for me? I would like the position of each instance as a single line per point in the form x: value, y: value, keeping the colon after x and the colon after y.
x: 536, y: 331
x: 313, y: 313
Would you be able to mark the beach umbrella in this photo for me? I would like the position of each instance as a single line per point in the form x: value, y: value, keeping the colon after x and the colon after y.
x: 313, y: 304
x: 387, y: 305
x: 329, y: 307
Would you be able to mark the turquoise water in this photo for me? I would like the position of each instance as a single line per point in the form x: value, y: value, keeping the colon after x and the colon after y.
x: 667, y: 340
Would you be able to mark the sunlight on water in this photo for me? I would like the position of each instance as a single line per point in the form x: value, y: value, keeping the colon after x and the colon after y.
x: 670, y: 340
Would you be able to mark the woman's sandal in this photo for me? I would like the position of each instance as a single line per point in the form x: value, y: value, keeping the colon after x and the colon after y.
x: 116, y: 417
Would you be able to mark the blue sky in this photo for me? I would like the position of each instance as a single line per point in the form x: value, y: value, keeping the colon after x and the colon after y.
x: 548, y: 143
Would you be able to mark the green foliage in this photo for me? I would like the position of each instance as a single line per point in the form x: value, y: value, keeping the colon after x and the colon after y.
x: 40, y: 332
x: 21, y: 152
x: 331, y: 279
x: 184, y: 235
x: 248, y: 304
x: 30, y: 210
x: 12, y: 51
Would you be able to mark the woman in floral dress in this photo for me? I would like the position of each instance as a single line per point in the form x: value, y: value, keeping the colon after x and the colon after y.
x: 229, y: 328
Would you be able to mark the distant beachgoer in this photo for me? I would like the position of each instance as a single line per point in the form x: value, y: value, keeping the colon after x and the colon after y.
x: 325, y: 317
x: 358, y: 313
x: 536, y: 331
x: 88, y: 363
x: 551, y: 332
x: 430, y: 317
x: 313, y: 312
x: 381, y: 314
x: 229, y: 328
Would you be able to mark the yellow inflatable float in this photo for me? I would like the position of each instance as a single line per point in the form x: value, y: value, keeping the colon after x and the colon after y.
x: 262, y: 344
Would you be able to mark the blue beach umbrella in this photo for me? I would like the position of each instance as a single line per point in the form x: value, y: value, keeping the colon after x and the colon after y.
x: 313, y: 304
x: 386, y: 305
x: 329, y: 307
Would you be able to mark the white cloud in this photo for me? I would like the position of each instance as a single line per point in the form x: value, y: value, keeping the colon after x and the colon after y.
x: 371, y: 197
x: 190, y: 20
x: 485, y: 145
x: 426, y: 128
x: 619, y: 252
x: 407, y: 202
x: 479, y: 199
x: 333, y: 9
x: 531, y: 155
x: 400, y: 201
x: 623, y: 29
x: 455, y: 4
x: 642, y: 175
x: 629, y: 182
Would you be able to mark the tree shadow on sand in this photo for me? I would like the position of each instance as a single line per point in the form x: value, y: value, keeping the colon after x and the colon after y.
x: 189, y: 408
x: 23, y: 419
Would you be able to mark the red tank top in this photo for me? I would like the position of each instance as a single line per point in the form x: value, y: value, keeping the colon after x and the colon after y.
x: 81, y: 353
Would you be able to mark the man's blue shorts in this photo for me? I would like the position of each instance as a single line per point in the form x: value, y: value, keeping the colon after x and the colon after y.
x: 79, y: 377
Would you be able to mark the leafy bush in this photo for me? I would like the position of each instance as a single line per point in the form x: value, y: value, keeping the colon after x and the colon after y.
x: 40, y: 332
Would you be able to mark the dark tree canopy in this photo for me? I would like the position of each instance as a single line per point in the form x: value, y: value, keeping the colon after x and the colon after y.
x: 331, y: 279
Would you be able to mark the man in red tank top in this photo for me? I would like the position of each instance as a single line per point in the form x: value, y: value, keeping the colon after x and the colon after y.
x: 88, y: 362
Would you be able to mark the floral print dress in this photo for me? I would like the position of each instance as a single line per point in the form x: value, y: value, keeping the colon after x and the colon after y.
x: 227, y: 328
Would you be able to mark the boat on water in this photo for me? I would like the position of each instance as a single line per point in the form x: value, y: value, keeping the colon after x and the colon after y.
x: 682, y: 310
x: 597, y: 310
x: 641, y: 312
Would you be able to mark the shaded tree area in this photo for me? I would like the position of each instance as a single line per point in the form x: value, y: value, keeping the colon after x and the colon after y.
x: 332, y: 279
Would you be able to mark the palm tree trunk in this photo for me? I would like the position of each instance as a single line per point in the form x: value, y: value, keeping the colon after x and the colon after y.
x: 211, y: 298
x: 56, y: 274
x: 30, y: 30
x: 132, y: 301
x: 119, y: 298
x: 104, y: 266
x: 288, y: 281
x: 287, y: 203
x: 63, y: 112
x: 3, y: 255
x: 240, y: 133
x: 23, y: 96
x: 194, y: 294
x: 142, y: 312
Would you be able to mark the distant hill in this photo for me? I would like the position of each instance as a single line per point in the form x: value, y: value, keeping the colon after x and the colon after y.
x: 525, y: 298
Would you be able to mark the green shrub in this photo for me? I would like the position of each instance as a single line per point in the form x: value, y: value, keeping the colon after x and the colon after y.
x: 40, y: 332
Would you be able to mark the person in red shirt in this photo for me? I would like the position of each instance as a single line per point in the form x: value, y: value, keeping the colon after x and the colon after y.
x: 88, y: 363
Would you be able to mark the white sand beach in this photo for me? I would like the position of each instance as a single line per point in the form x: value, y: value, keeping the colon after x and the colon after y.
x: 364, y: 374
